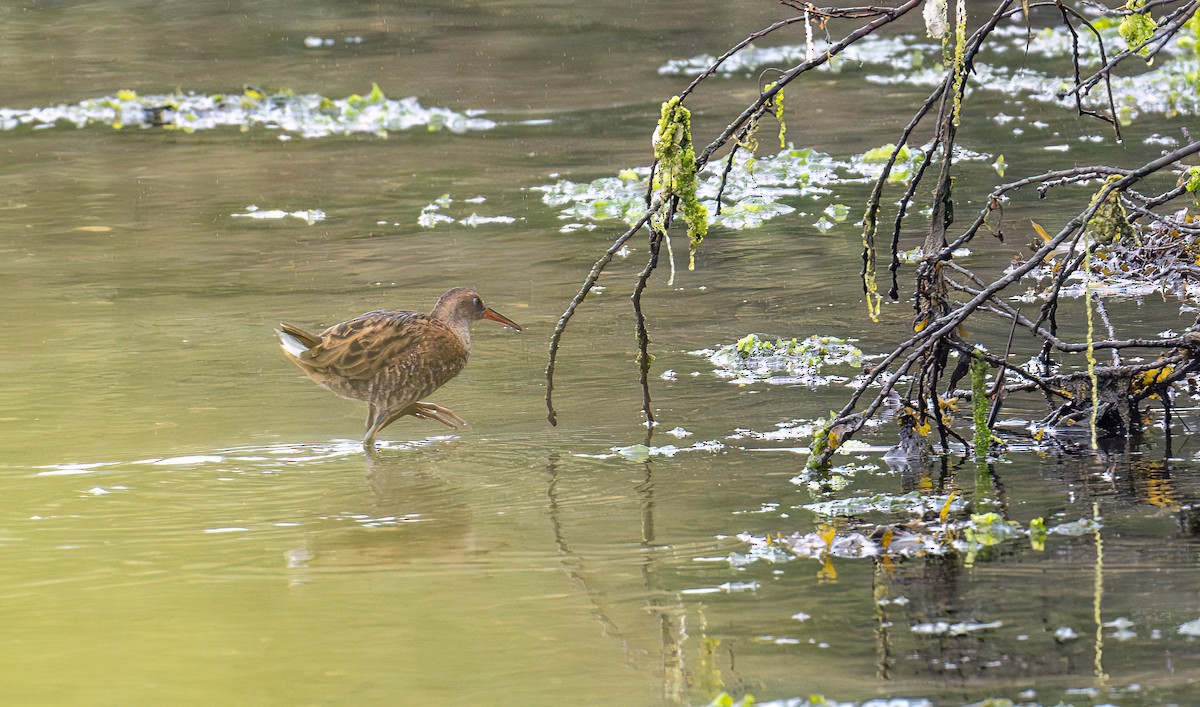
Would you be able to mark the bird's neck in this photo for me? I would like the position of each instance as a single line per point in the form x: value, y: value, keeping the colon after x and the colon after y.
x: 459, y: 326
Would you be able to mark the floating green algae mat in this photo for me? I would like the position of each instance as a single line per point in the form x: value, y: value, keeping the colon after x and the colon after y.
x: 305, y: 115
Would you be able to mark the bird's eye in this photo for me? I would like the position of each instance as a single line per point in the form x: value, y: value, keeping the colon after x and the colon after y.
x: 478, y: 302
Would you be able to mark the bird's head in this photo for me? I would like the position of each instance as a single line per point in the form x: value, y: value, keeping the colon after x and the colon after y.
x: 463, y: 305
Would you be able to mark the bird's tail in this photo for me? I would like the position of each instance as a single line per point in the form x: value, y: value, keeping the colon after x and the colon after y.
x: 294, y: 340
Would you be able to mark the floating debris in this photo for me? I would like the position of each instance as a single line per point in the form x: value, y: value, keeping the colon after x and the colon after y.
x: 832, y: 479
x: 193, y: 460
x: 317, y: 42
x: 962, y: 628
x: 1065, y: 634
x: 430, y: 218
x: 1078, y: 527
x: 642, y: 452
x: 1148, y: 257
x: 726, y: 588
x: 902, y: 52
x: 431, y: 214
x: 912, y: 503
x: 306, y: 115
x: 72, y: 469
x: 1119, y: 623
x: 309, y: 216
x: 1191, y: 628
x: 916, y: 254
x: 476, y: 220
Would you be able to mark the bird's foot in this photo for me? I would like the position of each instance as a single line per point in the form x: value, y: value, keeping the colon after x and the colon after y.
x: 429, y: 411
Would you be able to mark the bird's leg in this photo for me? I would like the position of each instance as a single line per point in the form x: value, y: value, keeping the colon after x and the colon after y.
x: 372, y: 430
x: 376, y: 421
x: 429, y: 411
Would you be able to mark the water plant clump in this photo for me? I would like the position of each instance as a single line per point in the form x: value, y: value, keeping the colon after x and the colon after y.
x: 914, y: 537
x: 305, y: 115
x: 1170, y: 88
x: 902, y: 52
x: 747, y: 193
x: 784, y: 361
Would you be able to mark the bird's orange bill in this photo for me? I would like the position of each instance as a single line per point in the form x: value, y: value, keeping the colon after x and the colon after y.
x: 495, y: 316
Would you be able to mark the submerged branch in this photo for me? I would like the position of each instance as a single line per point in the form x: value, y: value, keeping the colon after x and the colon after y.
x: 947, y: 295
x: 944, y: 328
x: 592, y: 278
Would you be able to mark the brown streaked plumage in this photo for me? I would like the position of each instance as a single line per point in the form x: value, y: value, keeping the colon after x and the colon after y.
x: 391, y: 359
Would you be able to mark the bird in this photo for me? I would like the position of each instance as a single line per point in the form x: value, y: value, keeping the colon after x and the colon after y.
x: 391, y: 359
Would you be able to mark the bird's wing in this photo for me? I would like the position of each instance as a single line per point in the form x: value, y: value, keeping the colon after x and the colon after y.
x: 414, y: 351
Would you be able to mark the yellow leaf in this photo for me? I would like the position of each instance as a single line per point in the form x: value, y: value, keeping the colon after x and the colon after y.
x: 1156, y: 375
x: 827, y: 533
x: 920, y: 325
x: 946, y: 507
x: 93, y: 229
x: 1040, y: 231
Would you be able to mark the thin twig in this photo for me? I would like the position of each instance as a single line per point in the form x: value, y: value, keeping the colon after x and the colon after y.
x: 643, y: 336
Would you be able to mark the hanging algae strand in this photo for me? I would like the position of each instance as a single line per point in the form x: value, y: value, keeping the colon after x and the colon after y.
x: 1091, y: 339
x: 777, y: 102
x: 979, y: 403
x: 960, y: 53
x: 676, y: 172
x: 870, y: 283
